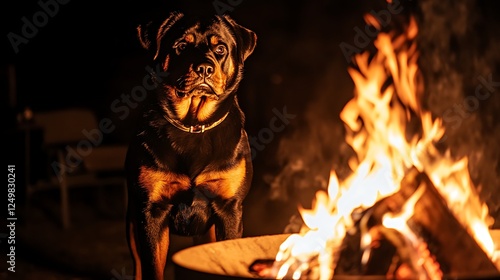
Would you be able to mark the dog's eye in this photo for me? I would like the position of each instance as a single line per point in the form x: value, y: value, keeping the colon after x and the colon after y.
x: 220, y: 50
x: 181, y: 46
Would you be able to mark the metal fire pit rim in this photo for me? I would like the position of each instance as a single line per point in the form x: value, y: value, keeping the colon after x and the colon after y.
x: 187, y: 267
x: 188, y: 270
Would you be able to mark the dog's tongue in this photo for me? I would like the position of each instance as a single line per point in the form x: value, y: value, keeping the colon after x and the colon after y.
x: 197, y: 102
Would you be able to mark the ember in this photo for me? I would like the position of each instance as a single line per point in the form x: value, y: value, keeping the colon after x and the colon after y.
x: 408, y: 209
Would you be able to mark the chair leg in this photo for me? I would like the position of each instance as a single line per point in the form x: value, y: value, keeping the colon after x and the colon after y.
x: 27, y: 206
x: 125, y: 197
x: 65, y: 205
x: 64, y: 193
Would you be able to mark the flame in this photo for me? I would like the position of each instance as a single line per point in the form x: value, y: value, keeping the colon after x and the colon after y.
x: 385, y: 108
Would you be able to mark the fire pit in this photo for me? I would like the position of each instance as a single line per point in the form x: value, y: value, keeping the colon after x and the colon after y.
x: 228, y: 259
x: 232, y: 259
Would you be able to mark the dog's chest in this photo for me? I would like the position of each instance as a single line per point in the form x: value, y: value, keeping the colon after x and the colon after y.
x: 213, y: 183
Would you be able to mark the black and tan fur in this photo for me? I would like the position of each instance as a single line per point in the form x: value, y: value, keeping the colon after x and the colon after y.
x: 179, y: 182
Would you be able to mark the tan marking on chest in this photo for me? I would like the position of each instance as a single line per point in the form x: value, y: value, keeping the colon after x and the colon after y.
x: 223, y: 183
x: 161, y: 184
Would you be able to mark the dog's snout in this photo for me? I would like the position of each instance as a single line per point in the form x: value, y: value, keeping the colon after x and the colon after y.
x: 204, y: 70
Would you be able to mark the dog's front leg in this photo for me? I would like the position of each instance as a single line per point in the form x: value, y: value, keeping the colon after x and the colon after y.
x: 133, y: 242
x: 228, y: 221
x: 208, y: 237
x: 153, y: 234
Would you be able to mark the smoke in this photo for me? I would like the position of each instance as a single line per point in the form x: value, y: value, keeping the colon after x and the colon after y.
x: 459, y: 42
x: 316, y: 145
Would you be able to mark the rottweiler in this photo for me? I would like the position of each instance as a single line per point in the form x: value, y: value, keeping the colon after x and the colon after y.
x: 189, y: 163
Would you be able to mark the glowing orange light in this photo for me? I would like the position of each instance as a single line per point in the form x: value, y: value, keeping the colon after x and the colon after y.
x: 376, y: 120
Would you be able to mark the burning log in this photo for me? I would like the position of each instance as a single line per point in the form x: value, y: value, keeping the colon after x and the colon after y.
x: 445, y: 247
x: 449, y: 244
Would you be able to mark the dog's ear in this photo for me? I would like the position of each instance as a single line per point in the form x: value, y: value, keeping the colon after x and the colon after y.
x: 150, y: 34
x: 248, y: 38
x: 144, y: 34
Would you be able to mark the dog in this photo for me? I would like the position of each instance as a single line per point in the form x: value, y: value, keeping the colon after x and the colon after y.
x: 189, y: 163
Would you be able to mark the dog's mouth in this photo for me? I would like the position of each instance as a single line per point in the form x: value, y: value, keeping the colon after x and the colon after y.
x: 202, y: 89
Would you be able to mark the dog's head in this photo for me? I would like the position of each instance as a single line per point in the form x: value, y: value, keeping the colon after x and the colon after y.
x: 203, y: 61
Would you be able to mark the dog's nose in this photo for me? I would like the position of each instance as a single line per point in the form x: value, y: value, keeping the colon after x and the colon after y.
x: 205, y: 70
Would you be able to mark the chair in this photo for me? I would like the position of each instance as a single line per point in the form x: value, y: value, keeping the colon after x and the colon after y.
x: 77, y: 156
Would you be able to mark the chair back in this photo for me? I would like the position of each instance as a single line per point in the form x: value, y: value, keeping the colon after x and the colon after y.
x: 65, y: 126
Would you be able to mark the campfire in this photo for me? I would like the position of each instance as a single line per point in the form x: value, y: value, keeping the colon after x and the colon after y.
x: 408, y: 209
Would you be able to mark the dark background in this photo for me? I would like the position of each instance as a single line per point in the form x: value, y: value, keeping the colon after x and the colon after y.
x: 88, y: 55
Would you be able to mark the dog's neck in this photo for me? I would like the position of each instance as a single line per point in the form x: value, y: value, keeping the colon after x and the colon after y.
x: 217, y: 117
x: 199, y: 128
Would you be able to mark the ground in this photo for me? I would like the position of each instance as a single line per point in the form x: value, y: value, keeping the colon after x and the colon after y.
x: 95, y: 246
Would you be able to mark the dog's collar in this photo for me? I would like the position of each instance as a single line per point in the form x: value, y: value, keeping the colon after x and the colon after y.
x: 199, y: 128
